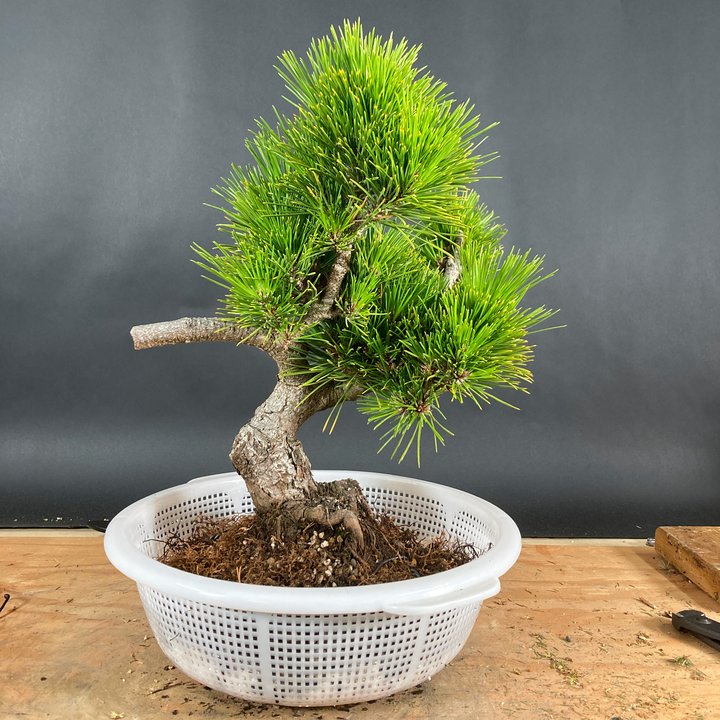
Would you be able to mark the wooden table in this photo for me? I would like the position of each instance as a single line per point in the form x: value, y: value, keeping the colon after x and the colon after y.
x: 580, y: 630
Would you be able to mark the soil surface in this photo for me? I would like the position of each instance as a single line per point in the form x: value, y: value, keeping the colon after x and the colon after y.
x: 244, y: 549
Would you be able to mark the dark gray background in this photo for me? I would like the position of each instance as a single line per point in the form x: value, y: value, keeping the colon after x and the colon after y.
x: 116, y: 119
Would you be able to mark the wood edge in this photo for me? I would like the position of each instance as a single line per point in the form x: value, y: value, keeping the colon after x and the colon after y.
x: 48, y: 532
x: 87, y: 532
x: 593, y: 542
x: 691, y: 564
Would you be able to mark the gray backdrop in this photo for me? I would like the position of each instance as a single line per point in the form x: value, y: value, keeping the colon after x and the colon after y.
x: 116, y: 119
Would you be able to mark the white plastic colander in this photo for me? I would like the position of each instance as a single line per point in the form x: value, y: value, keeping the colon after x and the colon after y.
x: 312, y: 646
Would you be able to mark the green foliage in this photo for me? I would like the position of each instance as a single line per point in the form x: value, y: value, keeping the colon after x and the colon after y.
x: 376, y: 160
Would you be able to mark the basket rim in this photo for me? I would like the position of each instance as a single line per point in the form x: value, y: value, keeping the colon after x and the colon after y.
x: 474, y: 581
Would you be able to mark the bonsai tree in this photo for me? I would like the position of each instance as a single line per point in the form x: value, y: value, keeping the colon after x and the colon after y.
x: 359, y: 258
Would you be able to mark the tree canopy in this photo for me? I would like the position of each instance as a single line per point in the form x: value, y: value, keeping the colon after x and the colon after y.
x: 357, y: 243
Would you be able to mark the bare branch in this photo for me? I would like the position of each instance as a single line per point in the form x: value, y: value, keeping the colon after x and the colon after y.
x: 452, y: 267
x: 326, y: 398
x: 196, y: 330
x: 323, y: 309
x: 451, y: 272
x: 338, y: 394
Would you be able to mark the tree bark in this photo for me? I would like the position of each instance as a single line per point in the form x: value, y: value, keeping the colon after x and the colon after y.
x: 195, y: 330
x: 276, y: 470
x: 267, y: 453
x: 324, y: 307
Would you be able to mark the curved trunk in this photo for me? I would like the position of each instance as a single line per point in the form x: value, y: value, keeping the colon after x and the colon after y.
x: 271, y: 460
x: 267, y: 453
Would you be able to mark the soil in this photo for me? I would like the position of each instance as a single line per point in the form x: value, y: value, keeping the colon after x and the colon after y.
x: 245, y: 549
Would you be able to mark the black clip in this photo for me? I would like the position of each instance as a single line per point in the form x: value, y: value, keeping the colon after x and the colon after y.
x: 702, y: 627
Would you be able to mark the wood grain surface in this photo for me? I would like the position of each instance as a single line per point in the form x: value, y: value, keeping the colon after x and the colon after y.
x: 578, y: 631
x: 695, y: 552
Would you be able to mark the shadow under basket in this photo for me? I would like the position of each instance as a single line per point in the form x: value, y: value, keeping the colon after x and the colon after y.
x: 313, y: 646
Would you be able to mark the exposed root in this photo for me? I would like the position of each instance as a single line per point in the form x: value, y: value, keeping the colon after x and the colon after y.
x: 317, y: 548
x: 340, y: 503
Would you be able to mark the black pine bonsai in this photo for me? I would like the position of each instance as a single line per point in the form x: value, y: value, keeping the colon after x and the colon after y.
x: 361, y: 261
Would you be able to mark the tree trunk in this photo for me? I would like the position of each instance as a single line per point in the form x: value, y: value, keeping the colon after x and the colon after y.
x: 267, y: 453
x: 276, y: 470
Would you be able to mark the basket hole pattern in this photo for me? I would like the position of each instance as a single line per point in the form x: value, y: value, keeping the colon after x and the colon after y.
x: 308, y: 660
x: 219, y: 647
x: 304, y: 659
x: 343, y: 656
x: 468, y: 528
x: 426, y: 515
x: 179, y: 518
x: 446, y: 634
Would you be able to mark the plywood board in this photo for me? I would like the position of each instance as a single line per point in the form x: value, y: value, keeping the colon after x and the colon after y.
x: 577, y: 632
x: 695, y: 552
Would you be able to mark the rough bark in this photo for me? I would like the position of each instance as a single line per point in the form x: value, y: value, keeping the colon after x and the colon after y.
x: 271, y: 460
x: 267, y: 453
x: 325, y: 306
x: 195, y: 330
x: 451, y: 266
x: 452, y: 272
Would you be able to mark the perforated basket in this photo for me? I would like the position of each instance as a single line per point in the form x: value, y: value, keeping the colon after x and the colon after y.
x: 312, y: 646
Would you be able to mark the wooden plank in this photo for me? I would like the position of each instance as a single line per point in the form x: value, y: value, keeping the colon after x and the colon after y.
x: 577, y: 632
x: 595, y: 542
x: 46, y: 532
x: 695, y: 552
